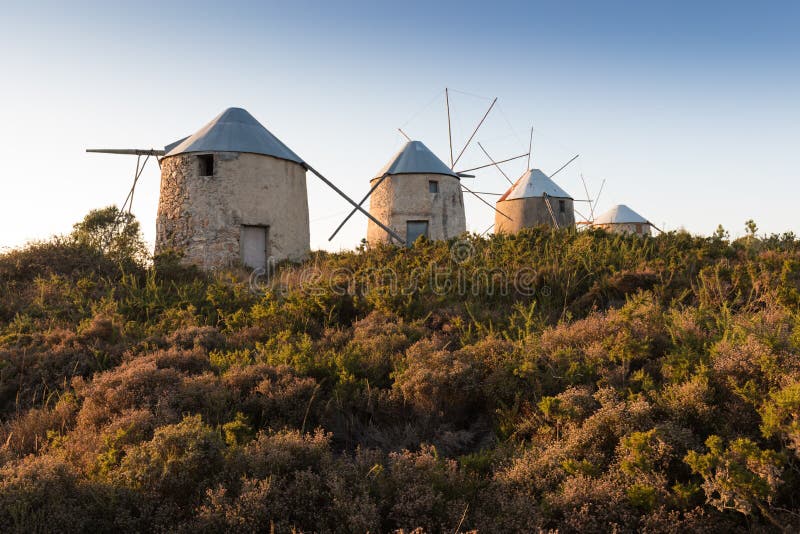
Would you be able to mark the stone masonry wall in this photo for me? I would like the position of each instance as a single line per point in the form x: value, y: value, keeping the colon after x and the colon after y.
x: 201, y: 216
x: 627, y: 228
x: 406, y: 197
x: 530, y: 212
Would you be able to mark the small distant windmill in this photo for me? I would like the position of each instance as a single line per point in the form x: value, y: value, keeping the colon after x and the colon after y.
x: 530, y: 200
x: 417, y: 194
x: 618, y: 219
x: 621, y: 219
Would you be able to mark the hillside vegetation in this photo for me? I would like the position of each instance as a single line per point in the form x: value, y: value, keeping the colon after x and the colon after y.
x: 576, y: 381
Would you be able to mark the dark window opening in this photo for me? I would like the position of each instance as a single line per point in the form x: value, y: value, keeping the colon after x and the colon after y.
x: 562, y: 206
x: 206, y: 164
x: 433, y: 186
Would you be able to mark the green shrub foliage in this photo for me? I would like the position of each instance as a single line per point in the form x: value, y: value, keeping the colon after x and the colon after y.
x: 551, y: 381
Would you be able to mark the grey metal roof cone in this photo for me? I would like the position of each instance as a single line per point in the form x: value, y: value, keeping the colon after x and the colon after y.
x: 234, y: 130
x: 416, y: 158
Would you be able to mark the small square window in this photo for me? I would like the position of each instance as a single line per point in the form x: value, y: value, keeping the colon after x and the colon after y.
x: 206, y: 164
x: 562, y: 206
x: 433, y: 186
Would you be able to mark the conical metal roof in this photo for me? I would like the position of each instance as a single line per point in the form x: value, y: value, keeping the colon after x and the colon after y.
x: 234, y: 130
x: 620, y: 214
x: 534, y: 183
x: 416, y: 158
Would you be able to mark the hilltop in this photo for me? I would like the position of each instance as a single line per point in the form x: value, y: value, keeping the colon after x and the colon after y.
x: 554, y: 379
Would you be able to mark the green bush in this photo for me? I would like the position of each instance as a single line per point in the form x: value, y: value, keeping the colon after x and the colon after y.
x: 643, y: 384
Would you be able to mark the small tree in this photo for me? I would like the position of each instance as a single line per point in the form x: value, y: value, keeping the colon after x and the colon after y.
x: 113, y: 232
x: 721, y: 234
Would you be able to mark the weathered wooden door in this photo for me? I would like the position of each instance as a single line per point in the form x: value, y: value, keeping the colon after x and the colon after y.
x: 254, y: 246
x: 414, y: 229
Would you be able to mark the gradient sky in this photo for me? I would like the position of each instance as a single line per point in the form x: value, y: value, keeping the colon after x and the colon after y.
x: 689, y: 110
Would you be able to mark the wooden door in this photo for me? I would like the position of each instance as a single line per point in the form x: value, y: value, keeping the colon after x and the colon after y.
x: 254, y: 245
x: 414, y: 229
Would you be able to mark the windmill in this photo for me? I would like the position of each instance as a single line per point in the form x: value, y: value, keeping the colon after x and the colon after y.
x: 418, y: 194
x: 618, y: 219
x: 531, y: 200
x: 232, y: 193
x: 621, y: 219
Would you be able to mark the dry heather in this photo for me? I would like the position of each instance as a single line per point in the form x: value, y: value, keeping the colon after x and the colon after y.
x: 645, y: 385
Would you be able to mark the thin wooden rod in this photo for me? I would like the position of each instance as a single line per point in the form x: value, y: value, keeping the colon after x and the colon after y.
x: 599, y: 192
x: 581, y: 214
x: 136, y: 176
x: 490, y: 164
x: 586, y: 189
x: 127, y: 151
x: 530, y: 149
x: 482, y: 200
x: 372, y: 190
x: 496, y: 165
x: 341, y: 193
x: 564, y: 166
x: 449, y: 127
x: 474, y: 132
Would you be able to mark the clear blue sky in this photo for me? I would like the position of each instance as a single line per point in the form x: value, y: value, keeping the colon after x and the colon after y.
x: 689, y: 110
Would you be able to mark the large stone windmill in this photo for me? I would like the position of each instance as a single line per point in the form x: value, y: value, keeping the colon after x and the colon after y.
x: 232, y: 194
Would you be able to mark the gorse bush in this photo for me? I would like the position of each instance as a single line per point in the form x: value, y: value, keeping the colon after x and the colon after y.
x: 550, y: 380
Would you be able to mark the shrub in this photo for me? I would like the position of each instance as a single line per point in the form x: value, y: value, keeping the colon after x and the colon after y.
x: 741, y: 477
x: 44, y: 494
x: 781, y: 415
x: 178, y: 464
x: 438, y: 382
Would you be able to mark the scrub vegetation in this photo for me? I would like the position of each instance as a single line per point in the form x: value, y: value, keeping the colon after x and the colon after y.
x: 621, y: 384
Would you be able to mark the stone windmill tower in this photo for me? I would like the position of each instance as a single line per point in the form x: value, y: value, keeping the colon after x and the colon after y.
x: 534, y: 200
x: 622, y: 220
x: 415, y: 195
x: 232, y: 194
